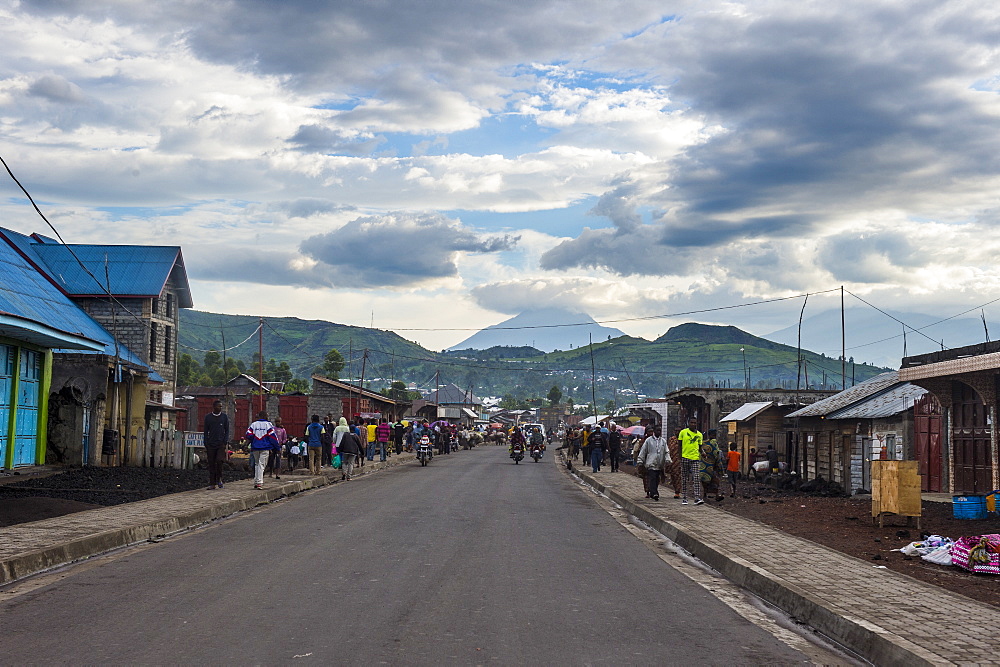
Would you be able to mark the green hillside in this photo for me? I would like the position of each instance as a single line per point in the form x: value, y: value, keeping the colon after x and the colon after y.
x: 686, y: 355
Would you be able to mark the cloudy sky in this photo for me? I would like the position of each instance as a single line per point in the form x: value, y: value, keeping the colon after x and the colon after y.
x: 438, y: 163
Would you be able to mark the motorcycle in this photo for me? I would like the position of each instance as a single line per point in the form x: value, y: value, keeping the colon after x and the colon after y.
x: 424, y: 451
x: 536, y: 453
x: 517, y: 453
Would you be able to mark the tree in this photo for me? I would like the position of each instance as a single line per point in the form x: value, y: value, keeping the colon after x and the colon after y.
x: 297, y: 384
x: 333, y: 363
x: 189, y: 371
x: 554, y: 395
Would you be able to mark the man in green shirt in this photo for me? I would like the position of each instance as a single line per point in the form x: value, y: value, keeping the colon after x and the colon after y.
x: 691, y: 439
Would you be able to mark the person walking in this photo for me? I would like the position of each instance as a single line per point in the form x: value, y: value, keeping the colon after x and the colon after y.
x: 327, y: 439
x: 690, y: 440
x: 382, y: 434
x: 350, y: 451
x: 614, y: 446
x: 713, y: 462
x: 654, y: 456
x: 673, y: 468
x: 273, y: 468
x: 314, y: 444
x: 398, y: 432
x: 597, y: 443
x: 260, y: 437
x: 732, y: 467
x: 216, y: 434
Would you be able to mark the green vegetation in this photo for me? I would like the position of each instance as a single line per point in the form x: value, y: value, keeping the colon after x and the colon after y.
x: 687, y: 355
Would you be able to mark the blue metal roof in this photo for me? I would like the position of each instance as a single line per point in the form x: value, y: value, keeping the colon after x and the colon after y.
x: 132, y: 270
x: 26, y: 296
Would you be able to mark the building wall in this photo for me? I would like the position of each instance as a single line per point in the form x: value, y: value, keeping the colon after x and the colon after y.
x: 133, y: 321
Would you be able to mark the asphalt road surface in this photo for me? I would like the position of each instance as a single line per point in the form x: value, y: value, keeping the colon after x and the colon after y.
x: 471, y: 560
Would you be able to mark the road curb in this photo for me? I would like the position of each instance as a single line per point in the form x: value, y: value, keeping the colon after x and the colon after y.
x: 73, y: 550
x: 860, y: 635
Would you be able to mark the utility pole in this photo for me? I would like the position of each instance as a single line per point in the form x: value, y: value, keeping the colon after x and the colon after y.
x: 843, y: 343
x: 746, y: 377
x: 361, y: 384
x: 260, y: 339
x: 593, y: 378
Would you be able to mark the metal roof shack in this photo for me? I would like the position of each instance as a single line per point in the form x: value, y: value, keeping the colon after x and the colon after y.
x: 898, y: 399
x: 849, y: 396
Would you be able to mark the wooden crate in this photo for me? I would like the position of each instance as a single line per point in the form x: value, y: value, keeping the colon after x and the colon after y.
x: 895, y: 489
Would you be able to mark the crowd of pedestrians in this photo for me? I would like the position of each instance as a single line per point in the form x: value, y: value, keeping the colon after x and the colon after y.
x: 695, y: 463
x: 346, y: 444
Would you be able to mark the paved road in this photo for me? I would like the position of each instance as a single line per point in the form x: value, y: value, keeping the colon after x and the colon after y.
x: 471, y: 560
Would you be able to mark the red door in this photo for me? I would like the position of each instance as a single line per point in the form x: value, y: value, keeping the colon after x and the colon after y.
x: 927, y: 432
x: 294, y: 412
x: 242, y: 420
x: 971, y: 438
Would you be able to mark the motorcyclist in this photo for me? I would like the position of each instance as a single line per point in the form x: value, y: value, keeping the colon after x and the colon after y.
x: 537, y: 440
x: 516, y: 437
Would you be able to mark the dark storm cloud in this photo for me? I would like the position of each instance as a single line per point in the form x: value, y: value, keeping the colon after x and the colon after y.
x: 397, y: 250
x: 871, y: 257
x: 309, y: 206
x: 320, y: 42
x: 839, y: 114
x: 320, y: 139
x: 251, y: 264
x: 819, y: 117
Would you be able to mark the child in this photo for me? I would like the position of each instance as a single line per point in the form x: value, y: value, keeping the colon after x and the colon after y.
x: 733, y: 467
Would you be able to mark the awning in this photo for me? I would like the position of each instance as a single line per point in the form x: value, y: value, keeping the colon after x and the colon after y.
x: 20, y: 328
x: 469, y: 413
x: 747, y: 411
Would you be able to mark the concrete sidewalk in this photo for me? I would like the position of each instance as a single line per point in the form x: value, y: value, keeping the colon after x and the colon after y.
x: 886, y: 617
x: 29, y: 548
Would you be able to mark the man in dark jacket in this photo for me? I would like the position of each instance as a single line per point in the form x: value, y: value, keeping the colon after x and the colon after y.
x: 216, y: 439
x: 614, y: 446
x: 349, y: 450
x: 598, y: 443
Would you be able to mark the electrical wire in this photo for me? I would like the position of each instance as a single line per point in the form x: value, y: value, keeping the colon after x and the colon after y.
x: 222, y: 350
x: 628, y: 319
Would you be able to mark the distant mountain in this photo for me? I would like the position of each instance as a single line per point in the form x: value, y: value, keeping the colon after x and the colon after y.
x: 690, y: 354
x: 873, y: 337
x: 544, y: 336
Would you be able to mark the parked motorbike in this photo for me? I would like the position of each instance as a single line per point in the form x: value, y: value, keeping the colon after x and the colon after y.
x: 424, y: 451
x: 536, y: 453
x: 517, y: 453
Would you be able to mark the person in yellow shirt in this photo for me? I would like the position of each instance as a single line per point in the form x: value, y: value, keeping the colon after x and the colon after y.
x: 690, y: 440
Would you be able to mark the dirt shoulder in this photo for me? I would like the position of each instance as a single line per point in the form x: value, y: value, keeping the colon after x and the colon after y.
x: 44, y: 497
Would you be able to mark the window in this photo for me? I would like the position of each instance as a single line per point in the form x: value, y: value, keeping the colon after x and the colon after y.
x: 166, y: 343
x: 152, y: 341
x: 170, y: 305
x: 156, y: 306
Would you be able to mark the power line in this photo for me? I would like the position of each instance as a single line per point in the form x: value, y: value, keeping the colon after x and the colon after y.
x: 628, y: 319
x: 227, y: 349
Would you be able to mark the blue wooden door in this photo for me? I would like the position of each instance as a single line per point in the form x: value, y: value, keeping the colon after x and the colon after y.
x: 6, y: 385
x: 28, y: 386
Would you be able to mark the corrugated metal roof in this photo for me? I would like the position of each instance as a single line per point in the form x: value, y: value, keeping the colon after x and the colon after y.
x: 747, y: 411
x: 849, y: 397
x: 888, y: 403
x: 452, y: 394
x: 132, y: 270
x: 25, y: 293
